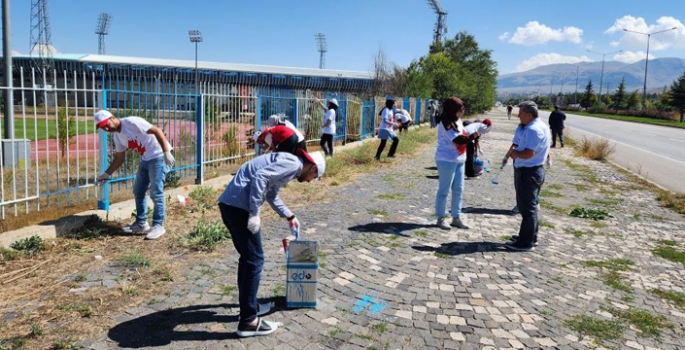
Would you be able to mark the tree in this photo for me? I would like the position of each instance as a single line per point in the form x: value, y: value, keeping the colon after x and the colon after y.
x: 419, y: 84
x: 677, y: 95
x: 607, y: 100
x: 633, y: 100
x: 587, y: 99
x: 66, y: 129
x: 620, y: 95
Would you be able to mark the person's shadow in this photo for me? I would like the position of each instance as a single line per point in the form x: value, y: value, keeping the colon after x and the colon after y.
x: 389, y: 228
x: 159, y: 328
x: 460, y: 248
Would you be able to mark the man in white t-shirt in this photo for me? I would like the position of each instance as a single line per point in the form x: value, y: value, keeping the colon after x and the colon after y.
x: 136, y: 134
x: 404, y: 118
x: 530, y: 150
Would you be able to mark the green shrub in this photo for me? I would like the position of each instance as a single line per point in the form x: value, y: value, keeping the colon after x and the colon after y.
x: 29, y: 246
x: 205, y: 235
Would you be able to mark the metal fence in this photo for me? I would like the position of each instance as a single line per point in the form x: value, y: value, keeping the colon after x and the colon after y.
x: 56, y: 153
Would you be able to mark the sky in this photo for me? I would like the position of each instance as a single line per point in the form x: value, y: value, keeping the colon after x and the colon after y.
x: 521, y: 34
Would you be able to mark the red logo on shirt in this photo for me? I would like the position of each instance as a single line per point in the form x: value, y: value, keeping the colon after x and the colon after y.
x: 135, y: 146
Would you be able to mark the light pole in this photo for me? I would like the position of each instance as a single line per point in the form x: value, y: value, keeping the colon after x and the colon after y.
x: 195, y: 37
x: 649, y: 35
x: 601, y: 76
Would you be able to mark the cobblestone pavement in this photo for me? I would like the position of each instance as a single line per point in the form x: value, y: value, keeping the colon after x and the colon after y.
x: 389, y: 279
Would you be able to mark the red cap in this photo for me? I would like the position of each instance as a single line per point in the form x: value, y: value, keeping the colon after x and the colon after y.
x: 487, y: 122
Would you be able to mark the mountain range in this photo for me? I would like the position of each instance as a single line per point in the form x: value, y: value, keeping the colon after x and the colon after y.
x: 557, y: 78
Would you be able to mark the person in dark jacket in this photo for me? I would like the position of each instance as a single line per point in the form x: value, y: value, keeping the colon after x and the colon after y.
x: 556, y: 124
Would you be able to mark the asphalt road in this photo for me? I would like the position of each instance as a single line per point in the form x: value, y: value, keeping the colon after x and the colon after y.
x: 654, y: 152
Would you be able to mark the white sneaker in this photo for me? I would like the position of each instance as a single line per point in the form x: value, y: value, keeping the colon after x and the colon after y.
x: 136, y: 227
x: 156, y: 232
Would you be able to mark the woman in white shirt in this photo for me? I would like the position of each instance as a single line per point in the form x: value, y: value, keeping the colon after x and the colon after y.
x: 450, y: 156
x: 328, y: 125
x: 385, y: 130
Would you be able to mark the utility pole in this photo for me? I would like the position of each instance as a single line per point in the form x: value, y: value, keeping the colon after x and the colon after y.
x: 7, y: 57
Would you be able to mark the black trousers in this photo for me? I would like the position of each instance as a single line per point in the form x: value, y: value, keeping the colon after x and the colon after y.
x: 290, y: 145
x: 528, y: 182
x: 327, y: 139
x: 393, y: 147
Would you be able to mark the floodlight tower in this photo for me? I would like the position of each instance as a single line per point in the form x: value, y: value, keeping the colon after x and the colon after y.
x: 41, y: 42
x: 440, y: 28
x: 195, y: 37
x: 102, y: 29
x: 322, y: 48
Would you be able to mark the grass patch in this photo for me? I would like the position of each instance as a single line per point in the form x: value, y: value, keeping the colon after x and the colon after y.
x: 365, y: 336
x: 574, y: 232
x: 134, y: 259
x: 673, y: 297
x: 634, y: 119
x: 279, y: 290
x: 612, y: 277
x: 9, y: 254
x: 505, y: 238
x: 442, y: 255
x: 599, y: 329
x: 205, y: 236
x: 648, y: 324
x: 228, y: 290
x: 421, y: 233
x: 391, y: 196
x: 549, y: 193
x: 670, y: 251
x: 549, y: 206
x: 598, y: 224
x: 93, y: 228
x: 334, y: 331
x: 380, y: 328
x: 29, y: 246
x: 555, y: 186
x: 673, y: 201
x: 545, y: 223
x: 80, y: 277
x: 84, y: 310
x: 595, y: 149
x: 204, y: 197
x: 547, y: 312
x: 627, y: 298
x: 581, y: 187
x: 67, y: 344
x: 592, y: 213
x: 377, y: 212
x: 36, y: 329
x: 605, y: 201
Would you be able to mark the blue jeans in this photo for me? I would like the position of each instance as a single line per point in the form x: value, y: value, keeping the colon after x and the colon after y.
x: 451, y: 176
x: 251, y: 261
x: 151, y: 174
x: 527, y: 182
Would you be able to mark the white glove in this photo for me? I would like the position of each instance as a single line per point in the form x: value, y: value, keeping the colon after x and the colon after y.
x: 548, y: 163
x: 102, y: 178
x: 169, y: 159
x: 295, y: 228
x: 256, y: 135
x: 253, y: 224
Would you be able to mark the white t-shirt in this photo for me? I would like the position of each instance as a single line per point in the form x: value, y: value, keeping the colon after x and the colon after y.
x: 290, y: 125
x: 480, y: 128
x: 387, y: 119
x: 134, y: 136
x: 330, y: 115
x: 403, y: 116
x: 447, y: 151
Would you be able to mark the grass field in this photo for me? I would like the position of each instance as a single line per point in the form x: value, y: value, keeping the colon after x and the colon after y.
x: 644, y: 120
x: 84, y: 127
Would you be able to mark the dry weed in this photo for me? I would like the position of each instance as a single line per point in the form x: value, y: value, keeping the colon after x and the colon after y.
x: 595, y: 149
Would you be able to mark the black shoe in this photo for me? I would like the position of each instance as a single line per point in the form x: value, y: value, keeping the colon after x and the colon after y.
x: 261, y: 328
x: 515, y: 238
x: 391, y: 156
x: 562, y: 145
x: 554, y: 146
x: 518, y: 246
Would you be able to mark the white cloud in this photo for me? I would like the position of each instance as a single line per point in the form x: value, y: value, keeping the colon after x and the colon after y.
x: 631, y: 57
x: 16, y: 53
x: 35, y: 51
x: 549, y: 58
x: 504, y: 36
x: 535, y: 33
x: 661, y: 41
